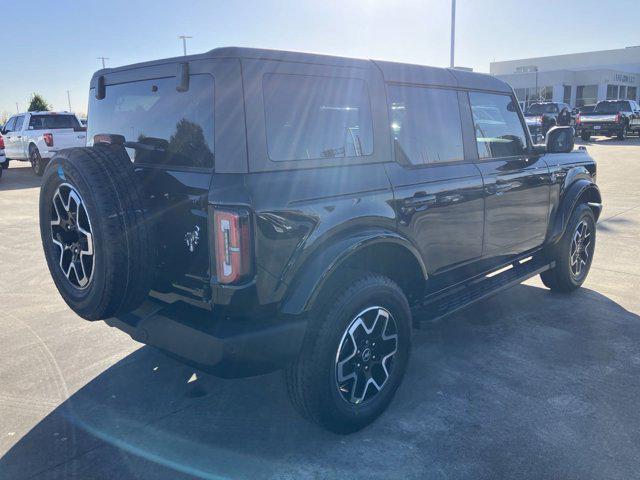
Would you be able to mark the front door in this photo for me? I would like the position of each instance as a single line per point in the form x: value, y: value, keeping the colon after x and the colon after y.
x: 437, y: 188
x: 516, y: 183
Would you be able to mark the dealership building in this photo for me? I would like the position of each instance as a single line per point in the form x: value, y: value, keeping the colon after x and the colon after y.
x: 576, y: 79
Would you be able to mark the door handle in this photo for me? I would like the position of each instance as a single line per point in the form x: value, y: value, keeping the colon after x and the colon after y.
x: 420, y: 201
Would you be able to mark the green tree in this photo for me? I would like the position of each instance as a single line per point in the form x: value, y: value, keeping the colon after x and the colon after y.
x: 38, y: 104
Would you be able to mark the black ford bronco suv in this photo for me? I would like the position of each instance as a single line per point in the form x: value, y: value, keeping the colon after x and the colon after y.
x: 249, y: 210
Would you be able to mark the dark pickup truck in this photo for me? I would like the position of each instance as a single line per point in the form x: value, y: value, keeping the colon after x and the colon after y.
x: 612, y: 118
x: 248, y: 210
x: 542, y: 116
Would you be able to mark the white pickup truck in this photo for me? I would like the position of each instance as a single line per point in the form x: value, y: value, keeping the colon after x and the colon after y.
x: 37, y: 136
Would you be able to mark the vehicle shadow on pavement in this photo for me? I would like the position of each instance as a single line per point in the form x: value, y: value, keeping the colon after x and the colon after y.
x: 527, y: 384
x: 19, y: 178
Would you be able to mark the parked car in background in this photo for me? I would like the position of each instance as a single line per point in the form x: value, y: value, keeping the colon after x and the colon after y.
x: 611, y: 118
x: 309, y: 240
x: 37, y: 136
x: 541, y: 116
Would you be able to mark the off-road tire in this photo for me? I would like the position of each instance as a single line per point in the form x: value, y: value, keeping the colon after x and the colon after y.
x: 585, y: 136
x: 38, y: 164
x: 123, y: 253
x: 561, y: 278
x: 311, y: 379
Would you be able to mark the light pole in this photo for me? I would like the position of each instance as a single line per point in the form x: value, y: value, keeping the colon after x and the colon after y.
x: 69, y: 99
x: 184, y: 43
x: 17, y: 108
x: 453, y: 32
x: 103, y: 59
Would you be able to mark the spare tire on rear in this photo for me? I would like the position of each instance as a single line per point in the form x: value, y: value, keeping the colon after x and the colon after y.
x: 95, y: 231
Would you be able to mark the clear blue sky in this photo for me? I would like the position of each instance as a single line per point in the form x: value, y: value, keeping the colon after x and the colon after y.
x: 51, y: 46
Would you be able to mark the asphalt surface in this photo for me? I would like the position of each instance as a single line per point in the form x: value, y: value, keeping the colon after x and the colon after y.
x: 527, y: 384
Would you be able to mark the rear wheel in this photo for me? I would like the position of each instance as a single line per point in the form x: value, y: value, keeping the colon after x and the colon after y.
x: 355, y: 354
x: 573, y: 253
x: 38, y: 164
x: 622, y: 134
x: 5, y: 165
x: 95, y: 231
x: 585, y: 136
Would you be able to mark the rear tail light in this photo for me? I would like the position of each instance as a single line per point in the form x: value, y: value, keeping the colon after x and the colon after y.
x: 618, y: 118
x: 232, y: 245
x: 1, y: 143
x: 48, y: 139
x: 578, y: 119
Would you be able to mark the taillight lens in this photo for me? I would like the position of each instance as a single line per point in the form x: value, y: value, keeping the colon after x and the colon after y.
x: 1, y: 143
x: 618, y: 118
x: 48, y: 139
x: 233, y: 245
x: 577, y: 118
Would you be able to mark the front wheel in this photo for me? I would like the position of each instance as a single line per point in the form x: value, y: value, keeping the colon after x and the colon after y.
x: 573, y: 253
x: 354, y: 355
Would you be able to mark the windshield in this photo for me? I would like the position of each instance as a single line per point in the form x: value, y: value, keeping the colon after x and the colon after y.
x: 609, y: 107
x: 541, y: 108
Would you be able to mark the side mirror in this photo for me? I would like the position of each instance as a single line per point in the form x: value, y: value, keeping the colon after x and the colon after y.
x: 560, y: 140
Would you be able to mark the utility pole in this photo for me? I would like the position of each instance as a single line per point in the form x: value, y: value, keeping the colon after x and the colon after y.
x: 103, y: 59
x: 69, y: 99
x: 17, y: 108
x: 184, y: 43
x: 453, y: 33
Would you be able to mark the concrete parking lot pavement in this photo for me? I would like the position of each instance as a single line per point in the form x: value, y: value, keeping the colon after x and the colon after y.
x: 527, y: 384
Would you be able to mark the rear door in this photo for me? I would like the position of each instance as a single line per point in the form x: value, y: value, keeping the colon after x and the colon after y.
x: 437, y: 186
x: 176, y: 138
x: 516, y: 183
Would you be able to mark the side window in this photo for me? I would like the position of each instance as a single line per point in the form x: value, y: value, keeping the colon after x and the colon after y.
x: 10, y: 124
x: 309, y: 117
x: 425, y: 124
x: 499, y: 131
x: 19, y: 121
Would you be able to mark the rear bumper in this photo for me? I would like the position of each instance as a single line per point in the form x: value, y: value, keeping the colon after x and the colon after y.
x: 227, y: 347
x: 600, y: 128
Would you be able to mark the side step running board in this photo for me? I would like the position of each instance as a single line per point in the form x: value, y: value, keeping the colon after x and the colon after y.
x: 441, y: 304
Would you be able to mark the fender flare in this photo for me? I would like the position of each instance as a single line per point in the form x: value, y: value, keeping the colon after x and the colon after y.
x: 319, y: 268
x: 580, y: 189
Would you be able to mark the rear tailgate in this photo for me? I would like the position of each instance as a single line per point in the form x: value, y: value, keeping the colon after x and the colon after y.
x: 67, y: 138
x: 606, y: 118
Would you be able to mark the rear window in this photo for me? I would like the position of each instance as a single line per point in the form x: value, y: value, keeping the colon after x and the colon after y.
x: 610, y: 107
x: 542, y: 108
x: 53, y: 122
x: 311, y: 117
x: 160, y: 125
